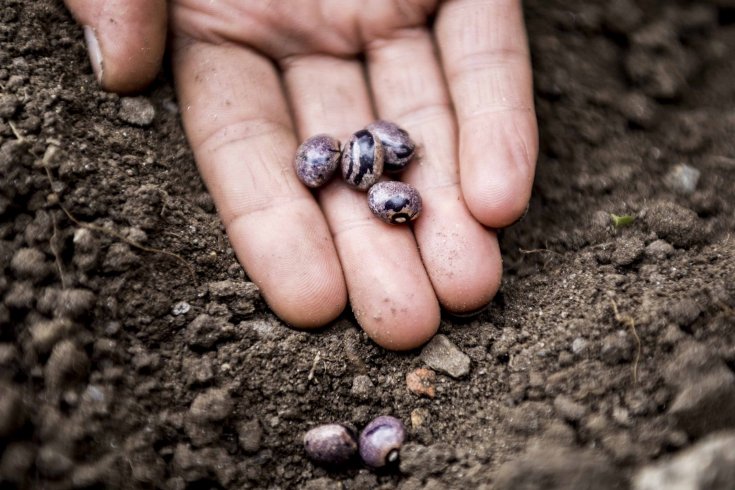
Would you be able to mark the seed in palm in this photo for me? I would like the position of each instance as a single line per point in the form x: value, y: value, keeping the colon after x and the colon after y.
x: 394, y: 202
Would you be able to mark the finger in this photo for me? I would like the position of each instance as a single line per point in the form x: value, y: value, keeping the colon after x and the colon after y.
x: 390, y: 292
x: 460, y: 255
x: 237, y: 122
x: 486, y: 62
x: 125, y: 40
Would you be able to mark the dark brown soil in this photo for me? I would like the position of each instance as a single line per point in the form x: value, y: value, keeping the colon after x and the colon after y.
x: 608, y: 347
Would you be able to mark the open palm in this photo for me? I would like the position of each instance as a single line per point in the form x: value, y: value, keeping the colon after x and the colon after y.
x: 255, y: 77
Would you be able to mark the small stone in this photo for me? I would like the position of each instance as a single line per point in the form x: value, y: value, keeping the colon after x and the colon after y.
x: 250, y: 434
x: 180, y: 308
x: 579, y: 346
x: 362, y: 387
x: 137, y: 111
x: 682, y: 179
x: 421, y: 382
x: 419, y: 417
x: 616, y: 348
x: 29, y: 263
x: 568, y: 409
x: 659, y: 249
x: 442, y: 355
x: 707, y: 465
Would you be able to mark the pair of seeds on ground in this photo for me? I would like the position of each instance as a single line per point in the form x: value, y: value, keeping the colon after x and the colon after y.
x: 378, y: 444
x: 381, y: 147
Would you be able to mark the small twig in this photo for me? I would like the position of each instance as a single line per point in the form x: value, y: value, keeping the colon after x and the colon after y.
x: 537, y: 251
x: 54, y: 250
x: 17, y: 135
x: 630, y: 323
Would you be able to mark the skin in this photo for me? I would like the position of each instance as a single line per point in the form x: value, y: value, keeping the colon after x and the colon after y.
x: 254, y: 78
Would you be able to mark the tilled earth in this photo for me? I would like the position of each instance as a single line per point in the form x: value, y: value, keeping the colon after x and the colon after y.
x: 134, y: 353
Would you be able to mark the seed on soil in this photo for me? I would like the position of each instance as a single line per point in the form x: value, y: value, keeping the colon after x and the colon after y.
x: 330, y: 444
x: 316, y: 160
x: 381, y: 440
x: 394, y: 202
x: 362, y: 160
x: 398, y: 145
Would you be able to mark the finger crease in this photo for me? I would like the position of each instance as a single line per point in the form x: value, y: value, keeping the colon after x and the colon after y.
x: 262, y: 205
x: 242, y: 130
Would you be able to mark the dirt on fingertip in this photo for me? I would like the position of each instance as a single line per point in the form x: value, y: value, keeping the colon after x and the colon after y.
x: 135, y: 353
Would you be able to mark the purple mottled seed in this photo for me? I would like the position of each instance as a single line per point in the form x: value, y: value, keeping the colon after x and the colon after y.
x: 394, y: 202
x: 381, y: 440
x: 362, y: 160
x: 316, y: 160
x: 398, y: 145
x: 330, y: 444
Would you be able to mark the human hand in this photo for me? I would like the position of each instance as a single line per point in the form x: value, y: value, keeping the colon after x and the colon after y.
x: 254, y: 78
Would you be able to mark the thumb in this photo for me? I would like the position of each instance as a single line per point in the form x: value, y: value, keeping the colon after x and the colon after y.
x: 125, y: 40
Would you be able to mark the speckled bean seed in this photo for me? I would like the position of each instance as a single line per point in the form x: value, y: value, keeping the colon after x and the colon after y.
x: 381, y: 440
x: 394, y: 202
x: 362, y: 160
x: 398, y: 145
x: 330, y: 444
x: 316, y: 160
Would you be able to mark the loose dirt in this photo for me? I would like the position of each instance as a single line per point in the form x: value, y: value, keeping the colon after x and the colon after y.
x: 134, y: 353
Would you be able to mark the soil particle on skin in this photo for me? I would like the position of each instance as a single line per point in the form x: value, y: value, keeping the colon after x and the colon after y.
x: 123, y: 367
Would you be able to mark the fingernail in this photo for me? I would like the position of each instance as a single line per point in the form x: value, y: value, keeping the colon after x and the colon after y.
x: 468, y: 315
x: 95, y: 53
